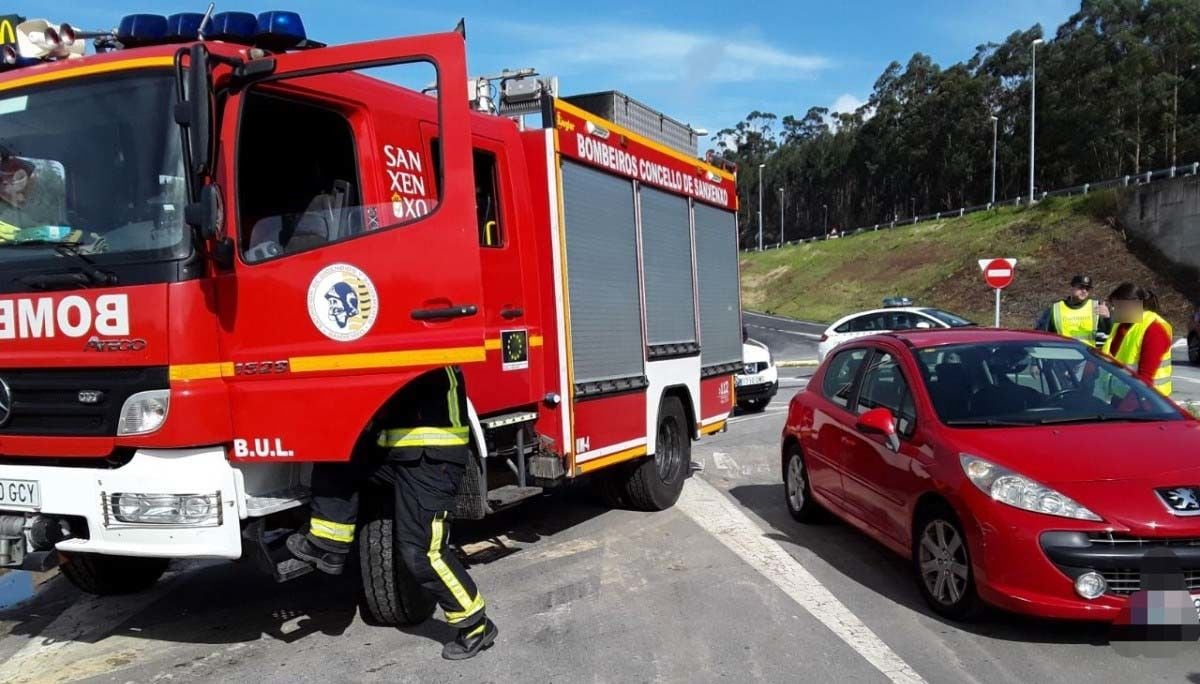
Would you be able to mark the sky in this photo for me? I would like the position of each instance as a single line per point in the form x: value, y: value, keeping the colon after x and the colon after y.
x: 702, y: 62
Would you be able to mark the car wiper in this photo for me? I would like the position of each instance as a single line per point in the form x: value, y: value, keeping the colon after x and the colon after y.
x: 1100, y: 418
x: 987, y: 422
x: 89, y: 275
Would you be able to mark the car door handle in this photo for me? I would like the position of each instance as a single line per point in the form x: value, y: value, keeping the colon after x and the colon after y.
x: 509, y: 313
x: 445, y: 313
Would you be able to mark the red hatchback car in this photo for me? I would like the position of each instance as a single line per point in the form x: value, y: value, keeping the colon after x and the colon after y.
x: 1019, y: 469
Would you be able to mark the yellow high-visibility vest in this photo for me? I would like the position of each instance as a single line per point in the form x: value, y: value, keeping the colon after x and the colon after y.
x: 1078, y: 324
x: 1130, y: 351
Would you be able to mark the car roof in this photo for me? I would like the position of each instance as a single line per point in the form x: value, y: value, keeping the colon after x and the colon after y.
x: 887, y: 309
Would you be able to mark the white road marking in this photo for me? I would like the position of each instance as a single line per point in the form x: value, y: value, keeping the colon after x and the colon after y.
x: 1186, y: 379
x: 711, y: 510
x: 811, y: 336
x: 723, y: 462
x: 752, y: 314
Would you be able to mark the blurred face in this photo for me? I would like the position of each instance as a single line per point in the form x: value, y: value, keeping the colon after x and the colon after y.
x: 1126, y: 310
x: 1081, y: 293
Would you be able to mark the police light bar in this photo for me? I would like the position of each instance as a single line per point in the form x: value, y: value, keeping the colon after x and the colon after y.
x: 278, y: 30
x: 136, y: 30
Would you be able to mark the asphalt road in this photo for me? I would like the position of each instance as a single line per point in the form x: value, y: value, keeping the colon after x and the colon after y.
x: 724, y: 586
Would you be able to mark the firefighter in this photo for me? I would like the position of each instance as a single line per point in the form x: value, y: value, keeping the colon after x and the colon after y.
x: 424, y: 452
x: 1142, y: 338
x: 1077, y: 315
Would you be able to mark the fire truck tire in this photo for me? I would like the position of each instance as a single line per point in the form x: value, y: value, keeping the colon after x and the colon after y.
x: 470, y: 504
x: 654, y: 483
x: 390, y: 594
x: 111, y: 575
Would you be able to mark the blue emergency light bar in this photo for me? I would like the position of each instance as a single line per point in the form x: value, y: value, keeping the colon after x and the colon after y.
x: 274, y: 30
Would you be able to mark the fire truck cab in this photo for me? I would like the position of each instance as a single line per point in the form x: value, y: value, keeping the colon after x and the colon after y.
x: 222, y: 259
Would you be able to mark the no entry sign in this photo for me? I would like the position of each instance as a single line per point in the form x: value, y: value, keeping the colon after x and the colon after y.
x: 998, y: 273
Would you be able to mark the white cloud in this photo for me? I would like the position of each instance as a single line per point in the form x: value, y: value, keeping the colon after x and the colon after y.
x: 656, y: 54
x: 846, y: 104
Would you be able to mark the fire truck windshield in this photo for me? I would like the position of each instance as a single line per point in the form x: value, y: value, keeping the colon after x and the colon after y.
x: 94, y: 166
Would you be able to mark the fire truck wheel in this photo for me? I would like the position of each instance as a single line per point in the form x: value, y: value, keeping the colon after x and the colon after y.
x: 390, y: 594
x: 654, y: 483
x: 110, y: 575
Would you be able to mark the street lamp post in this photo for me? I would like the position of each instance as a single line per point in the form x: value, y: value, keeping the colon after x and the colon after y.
x: 1032, y: 112
x: 780, y: 217
x: 760, y: 205
x: 826, y: 208
x: 995, y: 124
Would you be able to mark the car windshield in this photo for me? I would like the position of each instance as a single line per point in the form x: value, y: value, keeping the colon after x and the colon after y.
x: 947, y: 318
x: 94, y: 164
x: 1034, y: 383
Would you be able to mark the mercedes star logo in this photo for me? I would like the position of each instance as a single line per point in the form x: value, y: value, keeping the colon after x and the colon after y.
x: 5, y: 402
x: 1181, y: 500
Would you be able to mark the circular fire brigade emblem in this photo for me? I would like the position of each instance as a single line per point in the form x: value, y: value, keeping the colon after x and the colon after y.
x: 342, y: 302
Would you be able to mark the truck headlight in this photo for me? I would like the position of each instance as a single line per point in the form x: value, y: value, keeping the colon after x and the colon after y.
x: 144, y: 412
x: 194, y: 510
x: 1018, y: 491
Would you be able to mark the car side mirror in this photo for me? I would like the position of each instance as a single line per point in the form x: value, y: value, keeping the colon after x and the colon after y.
x: 207, y: 219
x: 880, y: 421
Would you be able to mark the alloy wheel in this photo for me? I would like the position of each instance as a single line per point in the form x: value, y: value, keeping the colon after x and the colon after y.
x: 943, y: 562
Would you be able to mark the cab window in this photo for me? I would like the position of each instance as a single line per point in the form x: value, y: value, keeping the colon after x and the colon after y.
x: 487, y: 194
x: 293, y: 197
x: 884, y: 386
x: 839, y: 376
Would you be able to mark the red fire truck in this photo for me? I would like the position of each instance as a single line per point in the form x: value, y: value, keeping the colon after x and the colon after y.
x: 220, y: 259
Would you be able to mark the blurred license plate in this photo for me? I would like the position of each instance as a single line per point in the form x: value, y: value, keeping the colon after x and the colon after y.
x: 1196, y: 603
x: 20, y: 494
x: 743, y: 380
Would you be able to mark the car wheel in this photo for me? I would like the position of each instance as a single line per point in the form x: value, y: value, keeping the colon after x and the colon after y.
x: 795, y: 486
x: 1194, y: 349
x: 753, y: 406
x: 943, y: 565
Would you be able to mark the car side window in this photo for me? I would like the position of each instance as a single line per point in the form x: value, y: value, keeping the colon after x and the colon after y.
x: 884, y: 386
x: 839, y: 376
x: 869, y: 323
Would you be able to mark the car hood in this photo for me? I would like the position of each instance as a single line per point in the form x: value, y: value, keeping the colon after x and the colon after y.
x: 755, y: 352
x: 1094, y: 452
x: 1114, y: 470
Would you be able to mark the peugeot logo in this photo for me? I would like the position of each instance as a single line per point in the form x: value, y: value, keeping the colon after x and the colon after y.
x: 5, y: 402
x: 1183, y: 501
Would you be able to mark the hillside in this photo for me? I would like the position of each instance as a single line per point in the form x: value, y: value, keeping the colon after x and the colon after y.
x: 935, y: 263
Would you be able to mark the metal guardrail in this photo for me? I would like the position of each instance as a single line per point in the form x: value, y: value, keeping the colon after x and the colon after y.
x: 1146, y: 178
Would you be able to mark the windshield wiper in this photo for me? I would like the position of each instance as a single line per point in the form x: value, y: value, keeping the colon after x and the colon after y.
x: 1100, y: 418
x: 89, y: 275
x: 987, y: 422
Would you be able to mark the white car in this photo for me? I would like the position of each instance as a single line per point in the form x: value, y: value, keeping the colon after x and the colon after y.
x: 759, y: 380
x: 877, y: 321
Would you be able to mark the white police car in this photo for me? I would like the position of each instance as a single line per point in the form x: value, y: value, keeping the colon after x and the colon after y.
x: 758, y: 382
x: 897, y: 314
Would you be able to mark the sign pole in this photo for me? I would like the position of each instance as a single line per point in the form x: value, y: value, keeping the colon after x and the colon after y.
x: 997, y: 307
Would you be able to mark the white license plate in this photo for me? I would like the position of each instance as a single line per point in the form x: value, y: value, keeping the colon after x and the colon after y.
x: 20, y: 494
x: 744, y: 380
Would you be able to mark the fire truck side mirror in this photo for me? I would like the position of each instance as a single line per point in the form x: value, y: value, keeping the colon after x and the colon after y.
x: 194, y: 111
x: 207, y: 218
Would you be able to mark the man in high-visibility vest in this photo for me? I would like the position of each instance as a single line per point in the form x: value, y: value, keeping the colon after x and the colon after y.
x: 425, y: 445
x: 1077, y: 315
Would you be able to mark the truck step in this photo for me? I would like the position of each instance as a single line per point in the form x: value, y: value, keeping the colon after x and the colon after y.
x: 508, y: 495
x: 268, y: 550
x: 508, y: 419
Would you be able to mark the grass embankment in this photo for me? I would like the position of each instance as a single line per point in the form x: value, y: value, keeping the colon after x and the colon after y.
x: 936, y: 264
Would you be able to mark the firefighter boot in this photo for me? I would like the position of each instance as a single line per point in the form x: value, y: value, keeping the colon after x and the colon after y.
x: 471, y: 640
x: 330, y: 562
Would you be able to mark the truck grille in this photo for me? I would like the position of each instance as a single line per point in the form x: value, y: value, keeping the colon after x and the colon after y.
x: 75, y: 402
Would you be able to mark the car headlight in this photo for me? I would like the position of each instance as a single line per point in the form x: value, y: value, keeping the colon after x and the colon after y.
x: 1008, y: 487
x: 144, y: 412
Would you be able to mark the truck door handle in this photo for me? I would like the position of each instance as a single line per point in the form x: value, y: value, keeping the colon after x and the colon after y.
x: 509, y: 313
x: 445, y: 313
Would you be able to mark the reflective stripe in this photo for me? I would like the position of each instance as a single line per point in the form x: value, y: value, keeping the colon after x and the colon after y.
x: 327, y: 529
x: 477, y: 631
x: 470, y: 607
x: 1130, y: 350
x: 452, y: 399
x: 424, y: 436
